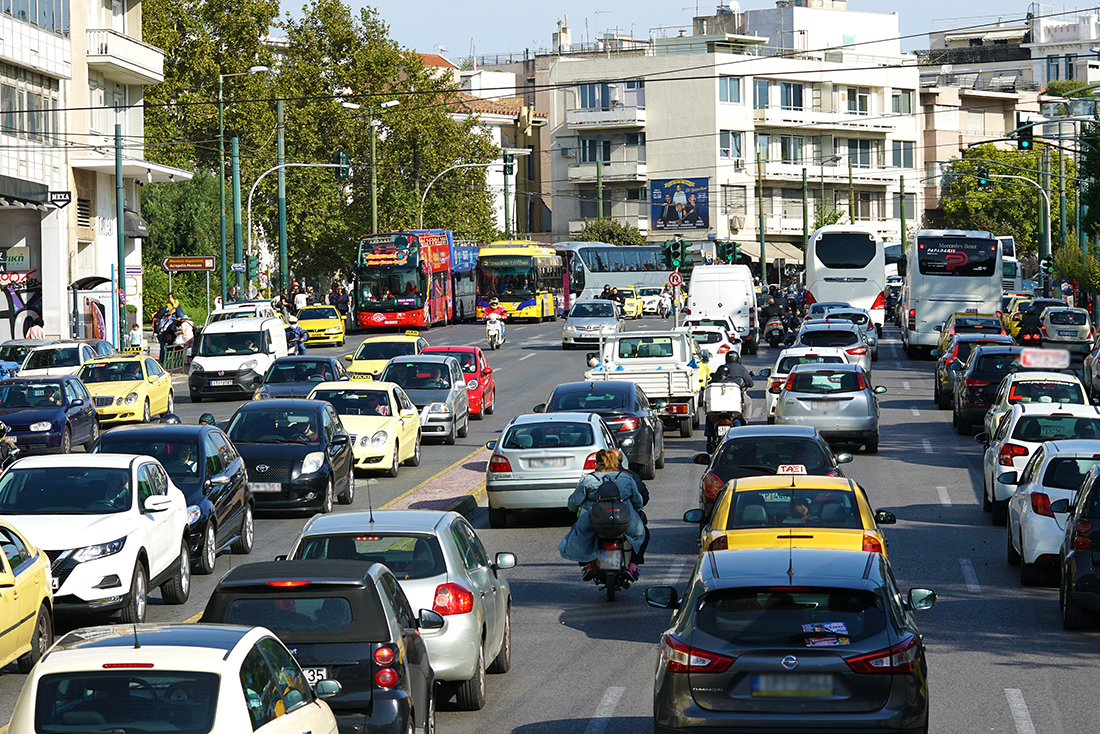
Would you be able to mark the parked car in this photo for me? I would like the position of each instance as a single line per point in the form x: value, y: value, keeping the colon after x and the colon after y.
x: 28, y: 614
x: 296, y: 452
x: 48, y: 415
x: 846, y: 336
x: 441, y: 564
x: 128, y: 387
x: 953, y: 358
x: 481, y: 388
x: 346, y: 621
x: 588, y: 320
x: 1067, y: 328
x: 295, y: 377
x: 204, y: 465
x: 437, y: 387
x: 838, y: 400
x: 56, y: 360
x: 383, y: 427
x: 787, y: 360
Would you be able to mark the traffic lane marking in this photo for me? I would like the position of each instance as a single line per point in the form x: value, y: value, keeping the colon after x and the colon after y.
x: 525, y: 357
x: 927, y: 445
x: 945, y: 500
x: 606, y: 710
x: 906, y: 385
x: 970, y: 577
x: 1017, y: 707
x: 675, y: 572
x: 916, y: 413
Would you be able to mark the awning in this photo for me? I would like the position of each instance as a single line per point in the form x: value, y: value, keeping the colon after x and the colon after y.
x: 88, y: 283
x: 133, y: 168
x: 135, y: 226
x: 791, y: 253
x: 10, y: 202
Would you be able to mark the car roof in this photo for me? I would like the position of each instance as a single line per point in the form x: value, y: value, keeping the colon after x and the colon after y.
x: 797, y: 481
x: 127, y: 357
x: 985, y: 349
x: 411, y: 521
x: 773, y: 431
x: 830, y: 326
x: 162, y: 431
x: 847, y: 310
x: 787, y: 567
x: 801, y: 351
x: 28, y: 342
x: 521, y: 420
x: 109, y: 461
x: 1054, y: 309
x: 977, y: 336
x: 449, y: 348
x: 1019, y: 410
x: 968, y: 315
x: 355, y: 385
x: 1042, y: 377
x: 251, y: 323
x: 592, y: 300
x: 37, y: 380
x: 219, y: 638
x: 316, y: 571
x: 305, y: 358
x: 586, y: 386
x: 424, y: 358
x: 1074, y: 446
x: 833, y: 304
x: 61, y: 345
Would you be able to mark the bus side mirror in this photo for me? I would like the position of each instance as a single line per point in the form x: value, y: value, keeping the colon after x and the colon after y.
x: 903, y: 263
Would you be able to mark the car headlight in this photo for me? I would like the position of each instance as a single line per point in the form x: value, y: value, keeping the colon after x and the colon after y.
x: 40, y: 426
x: 92, y: 552
x: 262, y: 394
x: 313, y: 462
x: 131, y: 398
x: 569, y: 327
x: 472, y: 384
x: 379, y: 438
x: 364, y: 441
x: 195, y: 367
x: 193, y: 514
x: 439, y: 408
x: 249, y: 365
x: 332, y: 330
x: 118, y: 401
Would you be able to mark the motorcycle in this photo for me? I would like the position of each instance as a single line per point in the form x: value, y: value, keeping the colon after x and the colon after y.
x: 613, y: 555
x: 774, y: 331
x: 494, y: 330
x: 725, y: 405
x: 1029, y: 336
x: 664, y: 307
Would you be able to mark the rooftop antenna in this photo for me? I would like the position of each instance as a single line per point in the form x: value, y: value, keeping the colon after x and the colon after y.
x: 790, y: 560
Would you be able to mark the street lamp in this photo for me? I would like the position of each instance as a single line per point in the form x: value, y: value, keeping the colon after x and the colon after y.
x: 373, y: 167
x: 221, y: 155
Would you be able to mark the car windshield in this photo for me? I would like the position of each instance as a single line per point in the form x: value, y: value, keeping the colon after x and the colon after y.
x: 274, y: 426
x: 40, y: 359
x: 64, y: 490
x: 549, y: 436
x: 1035, y: 391
x: 1041, y: 428
x: 592, y: 311
x: 231, y: 342
x: 997, y: 363
x: 649, y: 291
x: 300, y: 371
x: 859, y: 319
x: 320, y: 312
x: 1067, y: 473
x: 407, y: 556
x: 828, y: 338
x: 467, y: 360
x: 31, y: 395
x: 763, y: 454
x: 385, y: 350
x: 237, y: 313
x: 1069, y: 318
x: 786, y: 364
x: 826, y: 381
x: 180, y: 456
x: 645, y: 346
x: 418, y: 375
x: 127, y: 371
x: 975, y: 323
x: 782, y: 507
x: 356, y: 402
x: 291, y: 614
x: 800, y: 617
x: 587, y: 400
x: 13, y: 353
x: 131, y: 701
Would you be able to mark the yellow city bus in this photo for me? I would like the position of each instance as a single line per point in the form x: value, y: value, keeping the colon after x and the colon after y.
x: 528, y: 279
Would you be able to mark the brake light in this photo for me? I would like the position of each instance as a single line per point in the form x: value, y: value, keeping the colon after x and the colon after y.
x: 790, y: 383
x: 901, y: 658
x: 871, y: 544
x: 1044, y: 330
x: 590, y: 463
x: 808, y: 299
x: 1040, y: 504
x: 678, y: 408
x: 624, y: 424
x: 775, y: 385
x: 860, y: 381
x: 880, y: 301
x: 452, y: 599
x: 384, y: 655
x: 683, y: 658
x: 975, y: 382
x: 723, y: 349
x: 1010, y: 451
x: 610, y: 545
x: 289, y: 583
x: 752, y: 317
x: 717, y: 544
x: 385, y: 678
x: 1081, y: 530
x: 117, y: 666
x: 912, y: 319
x: 857, y: 351
x: 500, y: 464
x: 712, y: 486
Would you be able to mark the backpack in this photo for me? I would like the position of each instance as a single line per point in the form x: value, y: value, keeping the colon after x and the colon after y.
x: 610, y: 513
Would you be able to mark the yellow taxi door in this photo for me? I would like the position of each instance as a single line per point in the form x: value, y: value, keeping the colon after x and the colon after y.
x: 160, y: 382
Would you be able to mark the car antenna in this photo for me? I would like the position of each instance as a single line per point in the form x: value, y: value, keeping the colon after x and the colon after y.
x: 370, y: 504
x: 137, y: 645
x: 790, y: 560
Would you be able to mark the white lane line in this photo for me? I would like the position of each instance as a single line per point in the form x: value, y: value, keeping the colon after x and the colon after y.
x: 605, y: 710
x: 970, y: 577
x: 945, y: 500
x: 674, y: 573
x: 927, y: 445
x: 519, y: 328
x: 757, y: 412
x: 916, y: 413
x: 527, y: 357
x: 906, y: 385
x: 1020, y: 715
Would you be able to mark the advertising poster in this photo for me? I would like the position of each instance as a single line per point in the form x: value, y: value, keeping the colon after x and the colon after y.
x: 679, y: 204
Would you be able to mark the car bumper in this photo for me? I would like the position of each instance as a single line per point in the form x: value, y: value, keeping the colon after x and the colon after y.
x: 208, y: 383
x: 101, y: 585
x: 321, y: 338
x: 477, y: 400
x: 519, y: 493
x: 1073, y: 347
x: 974, y: 412
x: 295, y: 495
x: 436, y: 424
x: 38, y: 442
x: 1041, y: 537
x: 453, y: 650
x: 374, y: 457
x: 834, y: 428
x: 582, y: 338
x: 121, y: 413
x: 385, y: 713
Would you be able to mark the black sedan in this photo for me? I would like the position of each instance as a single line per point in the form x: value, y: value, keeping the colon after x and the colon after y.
x: 295, y: 377
x: 210, y: 473
x: 976, y: 384
x: 1079, y: 594
x: 753, y: 451
x: 953, y: 358
x: 791, y: 639
x: 47, y: 415
x: 625, y: 409
x: 296, y: 452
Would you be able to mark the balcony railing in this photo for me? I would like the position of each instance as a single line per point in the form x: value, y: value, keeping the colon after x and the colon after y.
x: 818, y: 120
x: 618, y: 116
x: 124, y: 59
x: 614, y: 171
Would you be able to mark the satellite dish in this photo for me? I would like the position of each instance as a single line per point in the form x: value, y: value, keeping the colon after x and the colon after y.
x: 946, y: 69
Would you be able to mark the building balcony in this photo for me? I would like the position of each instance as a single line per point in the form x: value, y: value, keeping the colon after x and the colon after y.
x: 834, y: 175
x: 640, y: 223
x: 124, y: 59
x: 820, y: 121
x: 616, y: 171
x: 616, y: 117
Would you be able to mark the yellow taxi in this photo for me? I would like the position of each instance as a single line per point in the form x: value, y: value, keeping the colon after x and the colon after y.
x: 383, y: 423
x: 372, y: 355
x: 1011, y: 317
x: 323, y: 324
x: 792, y: 509
x: 968, y: 323
x: 632, y: 302
x: 27, y: 586
x: 128, y: 387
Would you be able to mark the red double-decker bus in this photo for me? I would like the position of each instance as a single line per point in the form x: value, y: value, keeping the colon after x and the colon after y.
x: 403, y: 279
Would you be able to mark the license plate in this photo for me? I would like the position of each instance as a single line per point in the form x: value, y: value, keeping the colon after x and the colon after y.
x: 265, y: 487
x: 824, y: 405
x: 547, y: 463
x: 611, y: 560
x: 1067, y: 332
x: 723, y: 430
x: 220, y: 383
x: 314, y: 674
x: 792, y: 685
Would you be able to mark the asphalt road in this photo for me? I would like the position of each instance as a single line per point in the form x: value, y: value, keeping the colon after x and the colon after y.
x: 998, y: 658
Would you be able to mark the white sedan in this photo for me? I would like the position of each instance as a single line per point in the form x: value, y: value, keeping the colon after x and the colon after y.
x: 715, y: 341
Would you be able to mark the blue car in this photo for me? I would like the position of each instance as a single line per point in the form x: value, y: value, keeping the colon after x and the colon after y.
x: 47, y: 415
x: 295, y: 377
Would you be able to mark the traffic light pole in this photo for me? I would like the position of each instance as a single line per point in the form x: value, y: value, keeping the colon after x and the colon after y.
x: 1044, y: 244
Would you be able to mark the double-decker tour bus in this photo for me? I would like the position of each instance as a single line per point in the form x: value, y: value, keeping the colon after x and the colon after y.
x: 464, y: 278
x: 526, y: 277
x: 403, y: 279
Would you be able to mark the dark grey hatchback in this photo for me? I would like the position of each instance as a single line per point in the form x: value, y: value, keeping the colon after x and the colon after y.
x: 792, y: 640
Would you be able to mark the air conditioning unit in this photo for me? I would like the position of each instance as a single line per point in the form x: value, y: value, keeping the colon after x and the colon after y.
x: 739, y: 164
x: 568, y: 153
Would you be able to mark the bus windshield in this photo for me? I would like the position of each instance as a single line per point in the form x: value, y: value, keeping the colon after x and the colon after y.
x: 957, y: 257
x: 845, y: 250
x: 389, y: 288
x: 505, y: 275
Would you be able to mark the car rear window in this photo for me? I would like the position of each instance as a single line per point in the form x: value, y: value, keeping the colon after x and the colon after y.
x: 769, y: 452
x: 407, y: 556
x: 972, y: 323
x: 830, y: 338
x: 706, y: 337
x: 859, y: 319
x: 291, y: 613
x: 587, y: 401
x: 789, y: 506
x: 789, y: 363
x: 1046, y: 392
x: 825, y: 382
x: 965, y: 348
x: 998, y: 363
x: 549, y: 436
x: 1068, y: 473
x: 1068, y: 318
x: 646, y: 346
x: 781, y: 617
x: 1040, y: 428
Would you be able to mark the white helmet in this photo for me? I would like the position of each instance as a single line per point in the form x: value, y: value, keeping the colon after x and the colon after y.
x: 292, y: 320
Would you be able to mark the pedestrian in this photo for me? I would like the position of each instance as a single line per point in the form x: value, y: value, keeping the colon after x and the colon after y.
x: 341, y: 302
x: 301, y: 300
x: 186, y: 337
x: 135, y: 336
x: 310, y: 298
x: 36, y: 331
x: 174, y: 306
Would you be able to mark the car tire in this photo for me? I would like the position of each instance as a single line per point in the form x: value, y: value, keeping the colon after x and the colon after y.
x: 429, y: 720
x: 41, y: 639
x: 243, y: 544
x: 134, y: 612
x: 685, y: 428
x: 911, y: 352
x: 1031, y: 574
x: 648, y: 470
x: 329, y: 498
x: 771, y: 420
x: 470, y: 694
x: 93, y: 437
x: 502, y: 663
x: 176, y: 589
x: 348, y: 495
x: 954, y: 417
x: 414, y: 460
x: 480, y: 415
x: 66, y: 440
x: 660, y: 462
x: 465, y: 430
x: 874, y: 356
x: 492, y: 403
x: 147, y: 414
x: 1000, y: 512
x: 195, y: 397
x: 171, y: 402
x: 871, y: 446
x: 449, y: 439
x: 1074, y: 616
x: 1012, y: 556
x: 204, y: 564
x: 498, y: 517
x: 395, y: 466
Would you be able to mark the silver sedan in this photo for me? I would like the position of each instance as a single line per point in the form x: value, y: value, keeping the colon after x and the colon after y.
x: 837, y: 399
x: 588, y: 320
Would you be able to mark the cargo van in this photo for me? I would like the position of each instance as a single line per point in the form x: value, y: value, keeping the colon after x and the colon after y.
x: 727, y: 290
x: 232, y: 357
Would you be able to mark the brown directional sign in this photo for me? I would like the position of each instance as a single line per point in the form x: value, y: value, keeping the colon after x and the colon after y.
x: 195, y: 264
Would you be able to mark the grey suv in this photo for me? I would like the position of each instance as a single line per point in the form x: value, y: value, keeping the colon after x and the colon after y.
x: 437, y: 387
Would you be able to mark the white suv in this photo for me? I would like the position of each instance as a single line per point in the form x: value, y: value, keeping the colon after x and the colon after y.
x: 112, y: 525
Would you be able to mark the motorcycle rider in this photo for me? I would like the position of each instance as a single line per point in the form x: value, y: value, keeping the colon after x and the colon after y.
x: 496, y: 308
x: 771, y: 311
x: 296, y: 336
x: 732, y: 371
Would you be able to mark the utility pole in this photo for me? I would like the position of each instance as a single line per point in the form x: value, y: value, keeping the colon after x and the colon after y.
x: 120, y: 231
x: 901, y: 191
x: 1061, y: 191
x: 507, y: 203
x: 281, y: 150
x: 851, y: 195
x: 805, y: 211
x: 599, y: 187
x: 760, y: 218
x: 238, y: 253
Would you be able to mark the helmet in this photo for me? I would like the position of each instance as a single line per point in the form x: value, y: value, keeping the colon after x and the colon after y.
x: 494, y: 302
x: 733, y: 357
x: 722, y: 373
x: 292, y: 320
x: 170, y: 418
x: 207, y: 419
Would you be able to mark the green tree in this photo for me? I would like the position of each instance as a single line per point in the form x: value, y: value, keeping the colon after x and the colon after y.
x: 611, y: 231
x: 824, y: 215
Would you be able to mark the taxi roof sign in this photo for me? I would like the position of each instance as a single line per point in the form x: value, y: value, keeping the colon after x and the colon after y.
x: 412, y: 332
x: 791, y: 469
x: 1045, y: 359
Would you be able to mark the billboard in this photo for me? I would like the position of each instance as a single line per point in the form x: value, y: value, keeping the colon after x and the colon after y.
x: 679, y: 204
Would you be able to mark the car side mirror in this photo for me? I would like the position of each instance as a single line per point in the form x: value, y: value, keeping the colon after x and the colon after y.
x: 844, y: 458
x: 326, y: 688
x: 920, y: 599
x: 409, y: 413
x: 1061, y: 505
x: 217, y: 481
x: 982, y: 438
x: 280, y: 557
x: 491, y: 445
x: 660, y: 404
x: 662, y: 597
x: 429, y: 620
x: 766, y: 372
x: 504, y: 560
x: 487, y: 371
x: 76, y: 403
x: 1008, y: 477
x: 591, y: 356
x: 935, y: 352
x: 540, y: 408
x: 626, y: 443
x: 695, y: 516
x: 885, y: 517
x: 701, y: 459
x: 879, y: 390
x: 937, y: 327
x: 7, y: 580
x: 340, y: 439
x: 348, y: 358
x: 157, y: 503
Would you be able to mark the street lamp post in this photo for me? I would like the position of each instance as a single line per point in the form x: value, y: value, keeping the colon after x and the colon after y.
x: 373, y: 162
x: 221, y: 158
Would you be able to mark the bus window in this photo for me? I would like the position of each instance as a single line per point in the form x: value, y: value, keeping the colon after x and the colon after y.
x: 845, y: 250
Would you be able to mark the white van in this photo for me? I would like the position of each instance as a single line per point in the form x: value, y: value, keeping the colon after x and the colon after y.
x: 242, y: 310
x: 232, y: 357
x: 727, y: 290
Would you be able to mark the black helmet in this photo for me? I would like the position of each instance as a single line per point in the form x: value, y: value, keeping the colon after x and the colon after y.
x: 722, y: 373
x: 733, y: 357
x: 170, y: 418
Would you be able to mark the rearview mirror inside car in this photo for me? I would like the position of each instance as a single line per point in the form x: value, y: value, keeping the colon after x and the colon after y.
x: 885, y: 517
x: 662, y: 597
x: 695, y: 516
x: 920, y: 599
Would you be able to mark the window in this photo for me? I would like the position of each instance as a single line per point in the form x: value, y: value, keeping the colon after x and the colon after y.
x: 733, y: 198
x: 729, y: 89
x: 145, y: 486
x: 790, y: 148
x: 9, y: 120
x: 213, y: 460
x: 400, y: 604
x: 292, y: 684
x: 868, y: 206
x: 637, y: 194
x: 975, y: 122
x: 859, y: 152
x: 473, y: 554
x: 903, y: 154
x: 1052, y: 68
x: 15, y: 551
x: 790, y: 95
x: 729, y: 144
x: 901, y: 102
x: 595, y: 148
x: 760, y: 94
x: 593, y: 96
x: 637, y: 141
x: 910, y: 206
x: 763, y: 142
x: 259, y: 687
x: 859, y: 100
x: 1071, y: 61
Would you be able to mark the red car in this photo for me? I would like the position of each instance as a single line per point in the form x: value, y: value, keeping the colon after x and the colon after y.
x: 480, y: 387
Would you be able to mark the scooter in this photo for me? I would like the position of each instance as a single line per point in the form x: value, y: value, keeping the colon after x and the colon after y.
x: 494, y: 330
x: 613, y: 555
x: 774, y: 331
x: 725, y: 405
x: 1029, y: 336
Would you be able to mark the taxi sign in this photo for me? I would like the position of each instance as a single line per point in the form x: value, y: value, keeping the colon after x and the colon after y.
x: 791, y: 469
x: 360, y: 376
x: 412, y: 332
x: 1044, y: 359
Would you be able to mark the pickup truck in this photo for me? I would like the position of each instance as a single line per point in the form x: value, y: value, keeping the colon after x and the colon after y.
x: 668, y: 366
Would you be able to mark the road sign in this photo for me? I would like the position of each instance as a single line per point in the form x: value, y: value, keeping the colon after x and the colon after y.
x: 191, y: 264
x: 675, y: 279
x: 237, y: 267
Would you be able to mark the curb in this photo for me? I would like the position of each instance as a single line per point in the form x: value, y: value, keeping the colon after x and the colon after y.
x: 468, y: 503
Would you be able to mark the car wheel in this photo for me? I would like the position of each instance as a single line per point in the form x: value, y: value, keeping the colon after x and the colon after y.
x: 1000, y: 512
x: 208, y: 552
x: 465, y: 430
x: 414, y: 460
x: 771, y: 420
x: 871, y: 446
x: 429, y: 720
x: 502, y: 663
x: 243, y: 544
x: 171, y: 402
x: 348, y: 495
x: 41, y: 640
x: 911, y: 352
x: 178, y: 588
x: 146, y: 415
x: 648, y: 470
x: 195, y: 397
x: 66, y: 440
x: 139, y: 597
x: 481, y: 413
x: 93, y: 437
x: 874, y: 356
x: 1073, y: 614
x: 327, y: 500
x: 498, y: 517
x: 470, y: 695
x: 394, y: 467
x: 1011, y: 554
x: 685, y: 428
x: 449, y: 439
x: 492, y: 403
x: 660, y: 462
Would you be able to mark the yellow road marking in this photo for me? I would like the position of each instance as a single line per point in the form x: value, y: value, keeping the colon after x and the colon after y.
x: 189, y: 620
x: 428, y: 481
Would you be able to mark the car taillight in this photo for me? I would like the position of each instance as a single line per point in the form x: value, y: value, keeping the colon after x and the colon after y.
x: 384, y: 655
x: 880, y: 302
x: 975, y: 382
x: 1081, y: 530
x: 118, y: 666
x: 452, y: 599
x: 590, y: 463
x: 723, y: 349
x: 500, y: 464
x: 1040, y: 504
x: 790, y: 383
x: 1010, y: 451
x: 808, y: 299
x: 1044, y: 330
x: 857, y: 351
x: 722, y: 543
x: 678, y: 408
x: 712, y: 486
x: 623, y: 424
x: 385, y: 678
x: 832, y: 473
x: 912, y: 319
x: 860, y: 381
x: 901, y: 658
x: 775, y: 385
x: 683, y: 658
x: 871, y: 544
x: 752, y: 317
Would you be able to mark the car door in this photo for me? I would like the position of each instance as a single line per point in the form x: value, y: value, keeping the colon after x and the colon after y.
x: 159, y: 386
x: 460, y: 399
x: 341, y: 455
x: 217, y: 487
x: 19, y: 602
x: 406, y: 425
x: 408, y: 410
x: 297, y: 710
x: 156, y: 532
x: 238, y: 478
x: 481, y: 577
x: 641, y: 406
x: 415, y: 659
x: 485, y: 376
x: 78, y: 410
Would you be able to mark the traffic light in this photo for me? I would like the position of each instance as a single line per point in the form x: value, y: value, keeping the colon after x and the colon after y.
x: 666, y: 255
x: 676, y: 248
x: 1025, y: 138
x: 983, y: 176
x: 252, y: 267
x: 1046, y: 266
x: 341, y: 159
x: 509, y: 164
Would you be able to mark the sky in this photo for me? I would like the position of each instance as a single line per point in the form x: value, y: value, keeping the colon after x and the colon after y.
x: 503, y: 26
